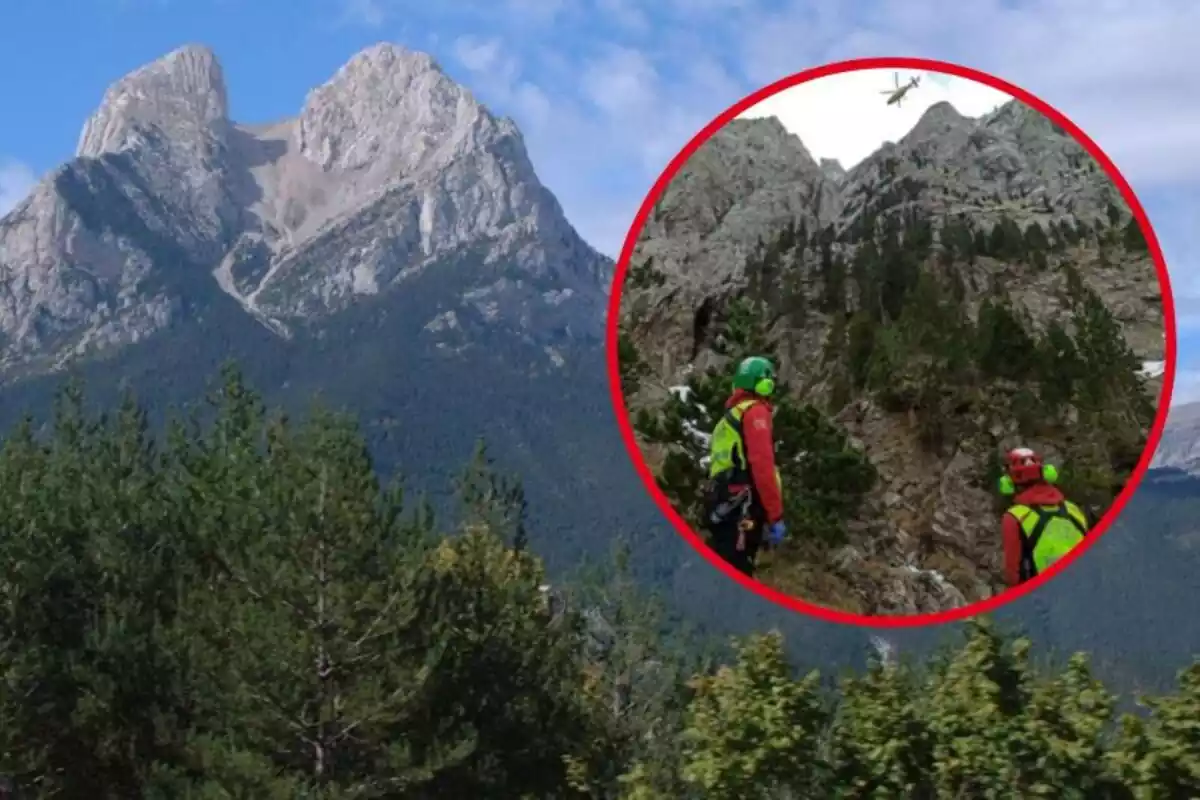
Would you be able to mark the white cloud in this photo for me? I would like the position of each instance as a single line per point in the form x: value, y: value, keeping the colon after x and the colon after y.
x: 16, y: 180
x: 477, y: 55
x: 370, y: 13
x: 1121, y: 70
x: 846, y: 116
x: 620, y: 83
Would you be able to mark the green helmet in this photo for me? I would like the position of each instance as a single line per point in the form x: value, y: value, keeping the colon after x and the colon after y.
x: 755, y: 374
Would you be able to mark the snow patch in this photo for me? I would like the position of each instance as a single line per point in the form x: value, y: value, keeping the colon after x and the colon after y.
x: 1153, y: 369
x: 938, y: 578
x: 700, y: 437
x: 557, y: 297
x: 363, y: 280
x: 445, y: 321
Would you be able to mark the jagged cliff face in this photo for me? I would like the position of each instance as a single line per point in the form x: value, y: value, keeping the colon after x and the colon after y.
x: 390, y: 170
x: 927, y: 534
x: 754, y: 177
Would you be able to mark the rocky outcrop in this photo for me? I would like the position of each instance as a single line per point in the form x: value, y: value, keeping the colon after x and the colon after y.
x: 390, y: 169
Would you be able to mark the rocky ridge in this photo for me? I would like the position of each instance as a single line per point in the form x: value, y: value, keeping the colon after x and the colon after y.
x: 920, y: 542
x: 390, y: 170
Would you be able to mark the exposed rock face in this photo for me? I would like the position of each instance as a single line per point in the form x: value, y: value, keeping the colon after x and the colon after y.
x: 927, y: 537
x: 390, y: 169
x: 750, y: 179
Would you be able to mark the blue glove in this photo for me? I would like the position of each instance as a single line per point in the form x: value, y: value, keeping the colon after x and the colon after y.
x: 776, y: 533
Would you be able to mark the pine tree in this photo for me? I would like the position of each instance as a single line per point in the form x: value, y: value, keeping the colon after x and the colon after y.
x: 1132, y: 237
x: 630, y: 363
x: 753, y: 730
x: 1062, y: 368
x: 1006, y: 350
x: 1110, y: 365
x: 833, y: 279
x: 880, y: 743
x: 865, y: 270
x: 861, y: 333
x: 1036, y: 240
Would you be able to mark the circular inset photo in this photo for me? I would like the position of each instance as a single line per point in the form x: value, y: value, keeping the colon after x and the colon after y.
x: 891, y: 342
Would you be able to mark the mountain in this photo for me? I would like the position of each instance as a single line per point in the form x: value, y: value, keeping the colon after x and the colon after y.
x: 390, y: 246
x: 978, y: 285
x: 389, y: 172
x: 117, y: 269
x: 389, y: 251
x: 1179, y: 447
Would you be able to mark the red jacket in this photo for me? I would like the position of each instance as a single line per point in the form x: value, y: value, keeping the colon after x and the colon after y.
x: 1040, y: 494
x: 760, y: 452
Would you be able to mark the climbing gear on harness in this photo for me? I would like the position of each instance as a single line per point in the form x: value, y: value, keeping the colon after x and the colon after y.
x: 745, y: 526
x: 739, y: 502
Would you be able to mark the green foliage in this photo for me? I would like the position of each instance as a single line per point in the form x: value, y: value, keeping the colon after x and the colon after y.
x: 1133, y: 238
x: 753, y: 730
x: 494, y: 501
x: 980, y: 721
x: 861, y: 335
x: 645, y: 275
x: 1006, y: 350
x: 631, y: 364
x: 241, y: 608
x: 1111, y: 379
x: 903, y: 333
x: 833, y: 279
x: 1036, y: 240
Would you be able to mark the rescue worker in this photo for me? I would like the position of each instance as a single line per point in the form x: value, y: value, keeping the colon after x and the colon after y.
x: 1041, y: 525
x: 745, y: 494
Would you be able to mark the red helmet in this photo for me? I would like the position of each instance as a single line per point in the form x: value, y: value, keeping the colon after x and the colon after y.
x: 1024, y: 466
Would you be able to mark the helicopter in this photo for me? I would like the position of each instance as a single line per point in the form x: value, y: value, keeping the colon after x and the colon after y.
x: 896, y: 95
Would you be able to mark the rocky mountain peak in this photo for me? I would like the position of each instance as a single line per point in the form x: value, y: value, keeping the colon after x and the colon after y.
x: 391, y: 109
x: 391, y: 172
x: 181, y: 95
x: 767, y: 138
x: 832, y: 169
x: 938, y: 119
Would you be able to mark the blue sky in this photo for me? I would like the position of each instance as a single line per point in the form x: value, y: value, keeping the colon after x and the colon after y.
x: 607, y: 91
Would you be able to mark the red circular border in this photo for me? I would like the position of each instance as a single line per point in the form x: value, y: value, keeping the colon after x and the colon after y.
x: 796, y: 604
